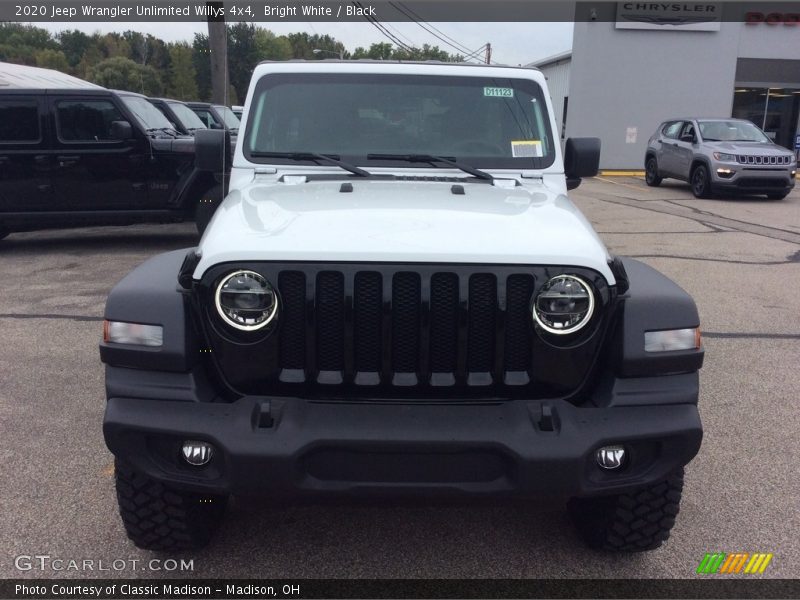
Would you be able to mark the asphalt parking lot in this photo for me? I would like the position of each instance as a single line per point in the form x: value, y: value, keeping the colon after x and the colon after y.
x: 739, y: 258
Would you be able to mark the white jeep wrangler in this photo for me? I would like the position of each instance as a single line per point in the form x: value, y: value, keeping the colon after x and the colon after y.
x: 397, y: 296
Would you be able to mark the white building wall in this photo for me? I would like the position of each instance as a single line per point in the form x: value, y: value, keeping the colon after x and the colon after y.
x: 623, y: 83
x: 557, y: 75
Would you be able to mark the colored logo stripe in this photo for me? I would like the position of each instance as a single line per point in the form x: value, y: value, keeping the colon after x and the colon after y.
x: 758, y: 563
x: 720, y: 562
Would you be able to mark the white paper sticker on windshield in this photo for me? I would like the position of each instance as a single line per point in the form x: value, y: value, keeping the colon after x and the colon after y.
x: 498, y: 92
x: 526, y: 148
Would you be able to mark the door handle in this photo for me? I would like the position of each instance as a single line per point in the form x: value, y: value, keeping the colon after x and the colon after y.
x: 65, y: 161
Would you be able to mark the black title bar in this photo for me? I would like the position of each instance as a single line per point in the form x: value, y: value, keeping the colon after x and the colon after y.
x: 142, y: 589
x: 266, y: 11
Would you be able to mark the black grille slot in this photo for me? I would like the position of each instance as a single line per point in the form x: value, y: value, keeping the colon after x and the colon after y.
x: 519, y: 290
x: 367, y: 305
x: 405, y: 322
x: 330, y: 321
x: 482, y: 327
x: 444, y: 323
x: 292, y: 288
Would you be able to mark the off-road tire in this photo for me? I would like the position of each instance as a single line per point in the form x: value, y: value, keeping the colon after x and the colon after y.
x: 157, y: 517
x: 651, y: 176
x: 206, y: 206
x: 632, y: 522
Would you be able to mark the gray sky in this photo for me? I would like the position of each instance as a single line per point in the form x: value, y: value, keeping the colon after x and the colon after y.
x: 512, y: 43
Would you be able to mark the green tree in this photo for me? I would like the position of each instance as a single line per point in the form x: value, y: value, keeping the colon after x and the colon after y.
x: 243, y: 56
x: 377, y: 51
x: 272, y: 47
x: 182, y: 83
x: 20, y: 43
x: 52, y: 59
x: 303, y: 46
x: 113, y: 45
x: 201, y: 59
x: 74, y: 45
x: 121, y: 73
x: 92, y: 56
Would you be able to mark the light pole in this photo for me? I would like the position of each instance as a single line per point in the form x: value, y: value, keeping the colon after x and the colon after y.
x: 340, y: 53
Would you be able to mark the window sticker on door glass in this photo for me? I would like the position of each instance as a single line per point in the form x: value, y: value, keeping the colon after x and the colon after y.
x: 498, y: 92
x: 526, y: 148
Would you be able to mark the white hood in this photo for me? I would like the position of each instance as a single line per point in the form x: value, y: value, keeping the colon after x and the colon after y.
x: 401, y: 221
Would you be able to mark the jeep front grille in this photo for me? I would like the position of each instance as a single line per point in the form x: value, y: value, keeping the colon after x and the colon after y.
x: 366, y: 330
x: 747, y: 159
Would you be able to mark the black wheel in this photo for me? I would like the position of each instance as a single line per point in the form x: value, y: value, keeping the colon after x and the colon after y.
x: 206, y: 206
x: 778, y: 195
x: 701, y: 183
x: 157, y: 517
x: 651, y: 177
x: 632, y: 522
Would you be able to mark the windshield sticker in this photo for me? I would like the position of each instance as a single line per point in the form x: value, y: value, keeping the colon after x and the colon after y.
x: 526, y: 148
x: 498, y: 92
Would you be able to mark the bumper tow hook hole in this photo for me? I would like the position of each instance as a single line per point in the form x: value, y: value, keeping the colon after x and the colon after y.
x: 264, y: 418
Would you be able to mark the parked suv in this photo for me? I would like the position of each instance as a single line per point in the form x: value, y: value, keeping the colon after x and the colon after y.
x: 76, y: 154
x: 216, y: 116
x: 716, y: 155
x: 398, y: 297
x: 183, y: 118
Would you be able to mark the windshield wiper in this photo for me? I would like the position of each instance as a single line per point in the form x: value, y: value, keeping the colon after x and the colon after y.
x: 329, y: 158
x: 429, y: 158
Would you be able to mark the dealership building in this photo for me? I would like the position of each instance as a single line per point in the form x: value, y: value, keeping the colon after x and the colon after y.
x: 634, y: 65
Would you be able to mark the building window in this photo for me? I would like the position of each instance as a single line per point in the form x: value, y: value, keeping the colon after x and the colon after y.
x: 775, y: 110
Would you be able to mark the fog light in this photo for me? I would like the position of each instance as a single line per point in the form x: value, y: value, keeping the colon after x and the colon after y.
x: 726, y: 173
x: 197, y: 453
x: 610, y: 457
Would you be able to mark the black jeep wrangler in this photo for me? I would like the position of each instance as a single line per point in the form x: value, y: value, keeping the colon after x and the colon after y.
x: 75, y: 154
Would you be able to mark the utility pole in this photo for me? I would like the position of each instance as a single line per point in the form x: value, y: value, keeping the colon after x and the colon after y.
x: 218, y: 46
x: 488, y: 53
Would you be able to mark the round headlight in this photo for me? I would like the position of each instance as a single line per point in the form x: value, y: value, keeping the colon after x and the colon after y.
x: 564, y: 305
x: 246, y: 301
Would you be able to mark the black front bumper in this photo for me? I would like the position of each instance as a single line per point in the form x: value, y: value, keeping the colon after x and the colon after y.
x: 296, y: 447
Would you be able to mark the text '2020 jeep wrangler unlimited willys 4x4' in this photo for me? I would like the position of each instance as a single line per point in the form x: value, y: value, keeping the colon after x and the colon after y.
x: 397, y: 296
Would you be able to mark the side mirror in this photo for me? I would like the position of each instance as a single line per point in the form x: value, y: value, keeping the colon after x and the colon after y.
x: 688, y: 137
x: 216, y: 125
x: 121, y: 130
x: 212, y: 150
x: 581, y: 159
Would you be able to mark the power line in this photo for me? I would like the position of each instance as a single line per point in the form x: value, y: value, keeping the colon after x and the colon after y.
x: 416, y: 18
x: 409, y: 12
x: 399, y: 33
x: 385, y: 31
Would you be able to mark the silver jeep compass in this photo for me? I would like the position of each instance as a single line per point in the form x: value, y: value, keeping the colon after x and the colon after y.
x: 716, y: 155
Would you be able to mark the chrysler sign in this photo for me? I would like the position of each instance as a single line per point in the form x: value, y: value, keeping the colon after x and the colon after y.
x: 669, y: 16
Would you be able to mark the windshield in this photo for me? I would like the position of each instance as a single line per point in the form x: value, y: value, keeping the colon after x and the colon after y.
x: 231, y: 120
x: 731, y: 131
x: 487, y: 122
x: 147, y: 114
x: 187, y: 116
